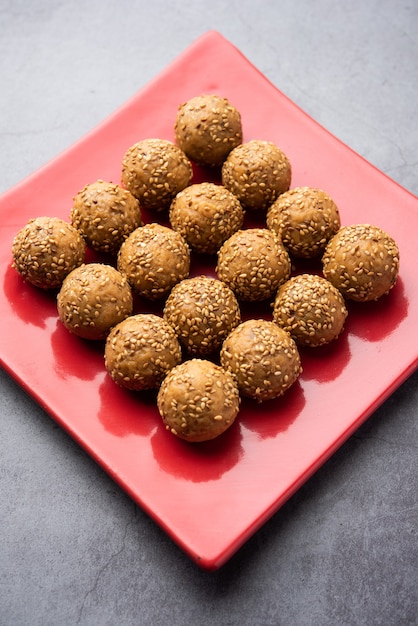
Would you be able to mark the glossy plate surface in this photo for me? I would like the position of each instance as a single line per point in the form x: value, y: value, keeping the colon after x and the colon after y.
x: 211, y: 498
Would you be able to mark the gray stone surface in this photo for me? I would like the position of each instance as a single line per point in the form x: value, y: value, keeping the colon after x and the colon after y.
x: 74, y: 549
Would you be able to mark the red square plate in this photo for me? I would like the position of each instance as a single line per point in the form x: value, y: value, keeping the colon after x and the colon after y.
x: 211, y: 498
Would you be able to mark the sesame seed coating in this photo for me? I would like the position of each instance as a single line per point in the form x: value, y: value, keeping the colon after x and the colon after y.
x: 202, y: 311
x: 46, y: 250
x: 305, y: 218
x: 153, y: 259
x: 93, y: 298
x: 105, y: 214
x: 262, y: 357
x: 154, y: 171
x: 206, y: 214
x: 257, y: 172
x: 362, y: 261
x: 253, y: 263
x: 140, y: 350
x: 198, y: 400
x: 207, y: 128
x: 310, y: 309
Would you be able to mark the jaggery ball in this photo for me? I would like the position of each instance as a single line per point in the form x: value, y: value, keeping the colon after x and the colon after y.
x: 46, y: 250
x: 198, y: 400
x: 253, y: 262
x: 362, y: 261
x: 206, y: 214
x: 154, y: 171
x: 257, y: 172
x: 154, y: 258
x: 207, y: 128
x: 310, y: 309
x: 93, y: 298
x: 202, y: 311
x: 305, y: 218
x: 105, y: 214
x: 140, y: 351
x: 262, y: 357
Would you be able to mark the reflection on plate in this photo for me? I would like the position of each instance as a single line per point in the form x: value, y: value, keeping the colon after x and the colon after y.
x: 210, y: 498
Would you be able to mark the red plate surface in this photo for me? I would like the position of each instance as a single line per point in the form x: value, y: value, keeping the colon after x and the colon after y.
x: 210, y: 498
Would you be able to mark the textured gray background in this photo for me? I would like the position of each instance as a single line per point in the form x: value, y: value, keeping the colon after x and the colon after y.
x: 74, y: 549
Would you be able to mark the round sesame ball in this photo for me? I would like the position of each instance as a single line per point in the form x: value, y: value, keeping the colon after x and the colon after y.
x: 105, y: 214
x: 153, y: 259
x: 253, y: 262
x: 310, y: 309
x: 362, y: 261
x: 257, y: 172
x: 202, y: 311
x: 140, y: 350
x: 207, y: 128
x: 262, y: 357
x: 198, y: 400
x: 93, y: 298
x: 206, y: 214
x: 46, y: 250
x: 154, y: 171
x: 305, y: 218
